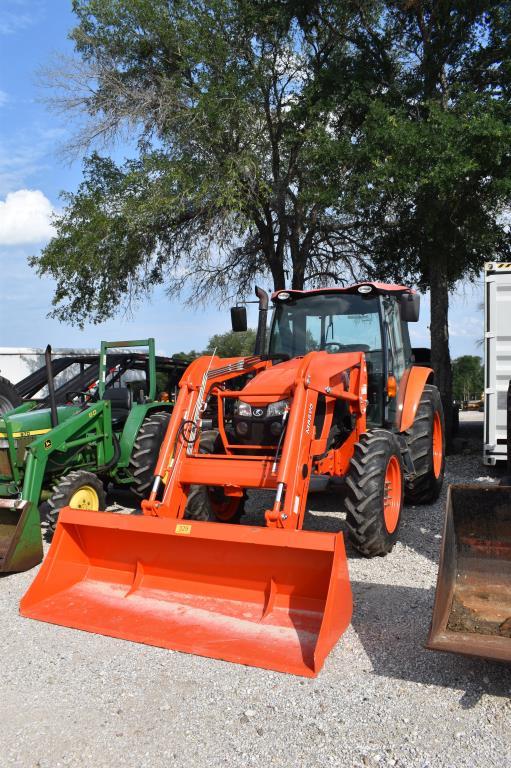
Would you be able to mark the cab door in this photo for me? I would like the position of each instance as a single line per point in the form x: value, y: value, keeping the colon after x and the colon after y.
x: 398, y: 351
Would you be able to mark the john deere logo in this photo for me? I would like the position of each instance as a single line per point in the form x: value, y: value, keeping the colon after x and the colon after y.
x: 258, y: 411
x: 47, y: 444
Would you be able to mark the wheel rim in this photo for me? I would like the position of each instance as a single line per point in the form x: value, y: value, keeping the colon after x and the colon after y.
x: 85, y: 497
x: 437, y: 445
x: 392, y: 494
x: 225, y: 510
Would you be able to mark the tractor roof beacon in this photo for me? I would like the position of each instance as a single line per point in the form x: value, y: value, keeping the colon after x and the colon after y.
x: 334, y: 398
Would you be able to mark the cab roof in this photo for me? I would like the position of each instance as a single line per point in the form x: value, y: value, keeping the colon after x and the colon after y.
x: 378, y: 288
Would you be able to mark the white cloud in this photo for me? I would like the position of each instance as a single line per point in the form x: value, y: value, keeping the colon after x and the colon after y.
x: 3, y: 98
x: 16, y: 15
x: 25, y: 217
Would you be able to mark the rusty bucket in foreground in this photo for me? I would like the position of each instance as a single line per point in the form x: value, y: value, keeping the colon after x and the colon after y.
x: 472, y: 611
x: 270, y: 598
x: 21, y: 546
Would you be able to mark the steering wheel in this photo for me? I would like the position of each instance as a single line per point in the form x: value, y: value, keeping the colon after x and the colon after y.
x: 333, y: 346
x: 88, y: 396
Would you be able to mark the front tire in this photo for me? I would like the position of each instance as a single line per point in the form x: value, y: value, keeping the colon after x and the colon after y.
x: 212, y: 504
x: 79, y: 490
x: 374, y: 493
x: 426, y: 443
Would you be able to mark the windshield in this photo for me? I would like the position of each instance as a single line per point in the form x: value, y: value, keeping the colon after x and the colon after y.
x: 331, y: 322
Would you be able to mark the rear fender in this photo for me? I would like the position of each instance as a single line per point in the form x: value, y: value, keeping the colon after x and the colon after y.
x: 409, y: 394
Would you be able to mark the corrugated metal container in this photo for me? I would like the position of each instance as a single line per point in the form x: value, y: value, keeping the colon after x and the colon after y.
x: 497, y: 359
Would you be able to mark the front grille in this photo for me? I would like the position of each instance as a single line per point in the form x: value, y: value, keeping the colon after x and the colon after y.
x: 5, y: 464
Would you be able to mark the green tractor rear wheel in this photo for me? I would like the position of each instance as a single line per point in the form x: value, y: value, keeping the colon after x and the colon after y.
x: 79, y: 490
x: 146, y: 450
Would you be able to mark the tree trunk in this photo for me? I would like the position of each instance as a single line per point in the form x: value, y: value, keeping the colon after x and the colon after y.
x: 440, y: 354
x: 299, y: 261
x: 278, y: 274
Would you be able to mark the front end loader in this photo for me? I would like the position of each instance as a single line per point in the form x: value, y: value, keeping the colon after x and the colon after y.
x: 472, y: 610
x: 333, y: 398
x: 64, y: 454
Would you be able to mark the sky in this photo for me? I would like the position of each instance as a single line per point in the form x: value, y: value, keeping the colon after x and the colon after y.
x: 32, y: 176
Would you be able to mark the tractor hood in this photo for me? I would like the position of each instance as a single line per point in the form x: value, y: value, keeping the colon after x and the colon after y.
x: 276, y: 381
x: 33, y: 423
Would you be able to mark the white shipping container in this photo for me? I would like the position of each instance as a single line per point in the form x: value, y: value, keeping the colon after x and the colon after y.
x: 497, y: 359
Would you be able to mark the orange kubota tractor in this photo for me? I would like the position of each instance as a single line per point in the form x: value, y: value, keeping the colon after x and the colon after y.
x: 336, y: 396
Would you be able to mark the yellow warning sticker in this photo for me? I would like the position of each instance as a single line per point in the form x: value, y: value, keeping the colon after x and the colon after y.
x: 182, y: 528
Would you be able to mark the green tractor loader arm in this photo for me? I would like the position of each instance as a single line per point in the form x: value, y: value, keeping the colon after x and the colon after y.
x: 89, y: 431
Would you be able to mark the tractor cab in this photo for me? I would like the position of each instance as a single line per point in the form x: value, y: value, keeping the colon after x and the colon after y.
x: 369, y: 317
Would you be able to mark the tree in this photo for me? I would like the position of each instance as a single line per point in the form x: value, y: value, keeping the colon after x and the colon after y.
x: 468, y: 377
x: 241, y: 168
x: 307, y: 140
x: 191, y: 355
x: 434, y: 147
x: 232, y: 344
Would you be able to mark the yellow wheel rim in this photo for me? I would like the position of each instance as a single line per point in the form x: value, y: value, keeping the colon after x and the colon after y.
x: 85, y: 497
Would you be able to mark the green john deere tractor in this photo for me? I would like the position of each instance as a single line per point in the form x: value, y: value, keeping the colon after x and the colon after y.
x: 65, y: 454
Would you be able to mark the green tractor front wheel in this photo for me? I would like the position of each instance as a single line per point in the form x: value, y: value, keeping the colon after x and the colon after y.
x: 79, y: 490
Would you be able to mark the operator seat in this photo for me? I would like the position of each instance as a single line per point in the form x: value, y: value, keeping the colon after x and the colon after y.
x: 121, y: 399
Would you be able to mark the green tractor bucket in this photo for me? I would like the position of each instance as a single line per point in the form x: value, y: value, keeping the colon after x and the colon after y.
x: 20, y: 536
x: 472, y: 611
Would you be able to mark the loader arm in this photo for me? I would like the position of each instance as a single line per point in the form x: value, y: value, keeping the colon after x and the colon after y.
x: 20, y: 529
x: 335, y: 377
x: 91, y: 427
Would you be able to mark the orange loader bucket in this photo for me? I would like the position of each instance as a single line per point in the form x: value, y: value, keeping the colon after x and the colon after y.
x: 472, y: 611
x: 271, y: 598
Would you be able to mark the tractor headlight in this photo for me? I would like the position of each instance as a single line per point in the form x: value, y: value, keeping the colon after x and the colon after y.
x: 278, y: 408
x: 242, y: 409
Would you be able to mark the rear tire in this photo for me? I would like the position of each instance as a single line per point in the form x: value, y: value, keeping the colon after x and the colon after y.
x: 212, y: 504
x: 79, y: 489
x: 427, y: 450
x: 146, y: 450
x: 9, y: 397
x: 374, y: 493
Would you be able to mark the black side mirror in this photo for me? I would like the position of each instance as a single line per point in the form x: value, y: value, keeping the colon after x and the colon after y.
x: 409, y: 307
x: 421, y: 355
x: 239, y: 319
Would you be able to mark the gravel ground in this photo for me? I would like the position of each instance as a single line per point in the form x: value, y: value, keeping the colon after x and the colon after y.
x: 69, y: 698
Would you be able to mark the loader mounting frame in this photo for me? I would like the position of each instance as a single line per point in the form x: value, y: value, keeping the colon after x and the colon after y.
x: 181, y: 464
